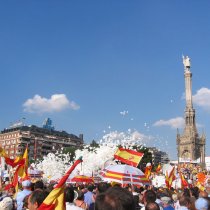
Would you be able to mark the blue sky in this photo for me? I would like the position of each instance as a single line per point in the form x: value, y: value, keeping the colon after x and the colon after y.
x: 95, y: 67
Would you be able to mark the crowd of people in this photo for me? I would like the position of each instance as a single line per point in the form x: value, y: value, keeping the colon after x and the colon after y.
x: 106, y: 196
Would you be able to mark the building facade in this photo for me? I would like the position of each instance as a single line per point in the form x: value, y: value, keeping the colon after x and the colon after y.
x: 158, y: 156
x: 40, y: 140
x: 190, y: 146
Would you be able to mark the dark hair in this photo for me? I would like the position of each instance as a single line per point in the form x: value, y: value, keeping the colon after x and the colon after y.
x: 25, y: 201
x: 38, y: 196
x: 90, y: 188
x: 136, y: 200
x: 80, y: 195
x: 186, y: 192
x: 102, y: 187
x: 115, y: 198
x: 152, y: 206
x: 194, y: 192
x: 69, y: 194
x: 184, y: 201
x: 39, y: 185
x: 150, y: 196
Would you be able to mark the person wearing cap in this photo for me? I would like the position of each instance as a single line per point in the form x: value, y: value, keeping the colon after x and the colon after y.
x: 22, y: 194
x: 6, y: 204
x: 166, y: 202
x: 201, y: 204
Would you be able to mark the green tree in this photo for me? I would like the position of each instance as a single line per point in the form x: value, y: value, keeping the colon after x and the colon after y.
x: 70, y: 151
x: 94, y: 144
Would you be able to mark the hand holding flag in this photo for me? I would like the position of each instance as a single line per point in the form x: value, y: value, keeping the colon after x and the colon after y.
x: 55, y: 200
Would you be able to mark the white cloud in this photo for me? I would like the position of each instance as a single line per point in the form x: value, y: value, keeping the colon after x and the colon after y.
x: 56, y: 103
x: 202, y: 98
x: 177, y: 122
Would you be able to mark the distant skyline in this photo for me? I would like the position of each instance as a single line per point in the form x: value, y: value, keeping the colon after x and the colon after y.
x: 105, y: 68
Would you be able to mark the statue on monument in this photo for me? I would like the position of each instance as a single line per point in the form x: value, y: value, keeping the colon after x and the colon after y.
x: 186, y: 61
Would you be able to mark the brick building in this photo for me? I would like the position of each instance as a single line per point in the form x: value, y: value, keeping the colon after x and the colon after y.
x: 40, y: 140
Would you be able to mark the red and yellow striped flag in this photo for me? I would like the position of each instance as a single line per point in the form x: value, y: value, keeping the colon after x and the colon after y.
x: 12, y: 162
x: 184, y: 182
x: 170, y: 178
x: 21, y: 170
x: 167, y: 180
x: 147, y: 171
x: 55, y: 200
x: 129, y: 157
x: 158, y: 168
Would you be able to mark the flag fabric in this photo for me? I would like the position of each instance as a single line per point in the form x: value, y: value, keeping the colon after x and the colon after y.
x: 200, y: 186
x: 201, y: 177
x: 129, y: 157
x: 158, y: 168
x: 55, y: 200
x: 15, y: 178
x: 184, y: 182
x: 147, y: 171
x: 21, y: 170
x: 12, y: 162
x: 170, y: 178
x: 167, y: 180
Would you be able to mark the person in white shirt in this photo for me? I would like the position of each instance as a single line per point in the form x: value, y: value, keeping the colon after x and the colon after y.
x: 70, y: 196
x: 22, y: 194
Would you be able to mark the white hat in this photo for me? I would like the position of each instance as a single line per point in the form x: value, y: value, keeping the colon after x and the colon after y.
x: 26, y: 183
x: 165, y: 199
x: 189, y: 181
x: 201, y: 203
x: 6, y: 204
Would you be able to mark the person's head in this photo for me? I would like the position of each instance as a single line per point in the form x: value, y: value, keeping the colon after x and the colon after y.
x: 152, y: 206
x: 195, y: 192
x: 70, y: 194
x: 165, y: 201
x: 80, y: 196
x: 203, y: 194
x: 36, y: 198
x: 201, y: 204
x: 184, y: 201
x: 39, y: 185
x: 90, y: 188
x: 186, y: 192
x: 136, y: 199
x: 115, y: 198
x: 175, y: 197
x: 25, y: 202
x: 6, y: 204
x: 149, y: 196
x: 102, y: 187
x: 26, y: 184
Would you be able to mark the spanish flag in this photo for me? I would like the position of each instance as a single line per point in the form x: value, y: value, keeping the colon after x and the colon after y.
x: 167, y: 180
x: 147, y: 171
x: 170, y: 178
x: 200, y: 186
x: 158, y: 168
x: 184, y: 182
x: 12, y: 162
x: 129, y: 157
x: 21, y: 170
x: 55, y: 200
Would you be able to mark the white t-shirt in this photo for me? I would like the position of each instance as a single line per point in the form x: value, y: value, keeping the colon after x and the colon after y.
x: 71, y: 206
